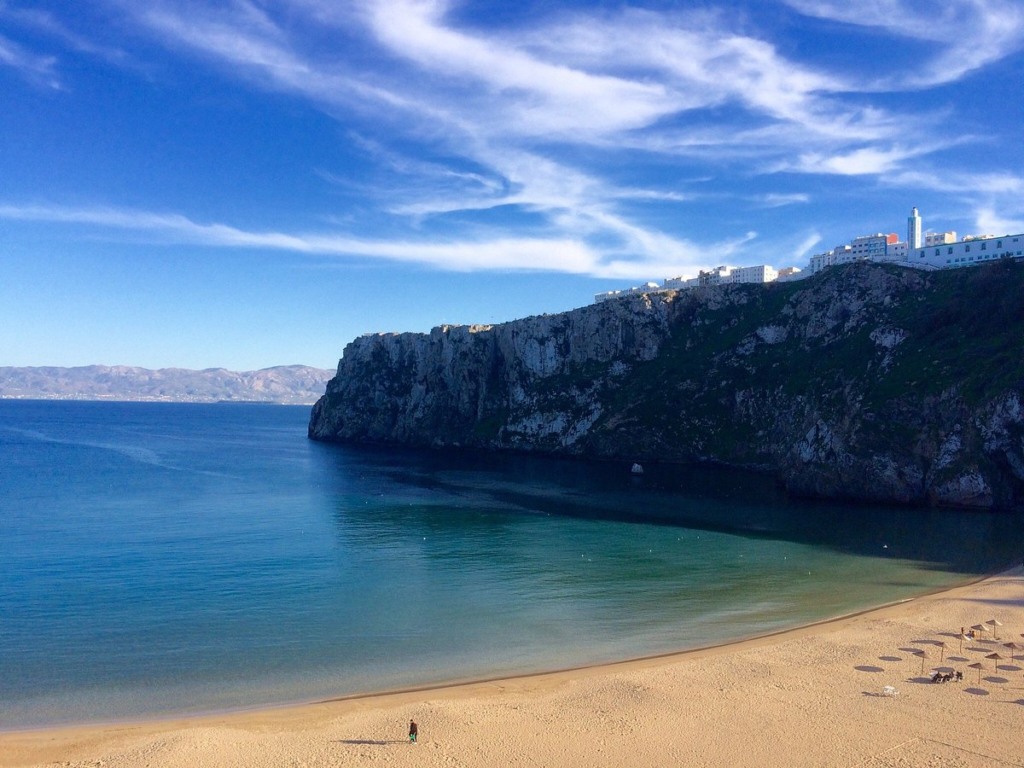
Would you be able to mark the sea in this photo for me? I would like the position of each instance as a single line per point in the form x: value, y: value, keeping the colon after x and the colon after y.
x: 162, y: 559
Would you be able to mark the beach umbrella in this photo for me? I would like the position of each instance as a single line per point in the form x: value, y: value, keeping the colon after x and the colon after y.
x: 1013, y: 649
x: 996, y: 658
x: 979, y: 628
x: 923, y: 655
x: 978, y: 666
x: 963, y: 636
x: 994, y: 623
x: 942, y: 650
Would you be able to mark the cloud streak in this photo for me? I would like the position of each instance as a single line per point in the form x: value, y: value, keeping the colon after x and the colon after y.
x: 963, y: 35
x: 533, y: 254
x: 35, y: 68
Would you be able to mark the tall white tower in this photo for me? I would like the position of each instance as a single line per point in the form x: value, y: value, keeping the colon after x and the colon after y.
x: 913, y: 230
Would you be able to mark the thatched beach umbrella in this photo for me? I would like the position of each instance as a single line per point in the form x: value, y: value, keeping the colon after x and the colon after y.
x: 963, y: 636
x: 923, y: 655
x: 978, y: 666
x: 994, y: 623
x: 979, y: 628
x: 1014, y: 647
x: 942, y: 650
x: 996, y: 658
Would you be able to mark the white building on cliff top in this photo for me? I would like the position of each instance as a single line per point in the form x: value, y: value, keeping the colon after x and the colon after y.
x: 721, y: 275
x: 930, y: 250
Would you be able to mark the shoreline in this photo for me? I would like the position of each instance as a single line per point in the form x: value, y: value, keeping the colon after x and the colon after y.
x: 453, y: 685
x: 723, y: 666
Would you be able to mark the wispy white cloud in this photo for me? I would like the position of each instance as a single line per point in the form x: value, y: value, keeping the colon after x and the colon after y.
x: 702, y: 61
x: 535, y: 254
x: 41, y: 21
x: 36, y: 68
x: 245, y: 39
x: 804, y: 248
x: 537, y: 96
x: 990, y: 221
x: 666, y: 255
x: 985, y: 182
x: 858, y: 162
x: 778, y: 200
x: 967, y: 34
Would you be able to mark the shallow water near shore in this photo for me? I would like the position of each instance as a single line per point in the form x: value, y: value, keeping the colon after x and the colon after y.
x: 165, y: 559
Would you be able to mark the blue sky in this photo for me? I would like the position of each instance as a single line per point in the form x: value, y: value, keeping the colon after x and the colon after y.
x: 256, y: 182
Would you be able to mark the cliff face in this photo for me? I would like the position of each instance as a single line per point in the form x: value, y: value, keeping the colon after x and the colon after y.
x: 865, y: 382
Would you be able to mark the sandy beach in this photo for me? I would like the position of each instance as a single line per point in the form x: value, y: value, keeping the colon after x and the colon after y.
x: 813, y: 696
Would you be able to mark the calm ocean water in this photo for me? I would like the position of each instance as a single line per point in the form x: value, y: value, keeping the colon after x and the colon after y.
x: 167, y: 559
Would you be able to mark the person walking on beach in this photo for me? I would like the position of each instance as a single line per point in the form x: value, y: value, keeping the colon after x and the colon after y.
x: 413, y: 731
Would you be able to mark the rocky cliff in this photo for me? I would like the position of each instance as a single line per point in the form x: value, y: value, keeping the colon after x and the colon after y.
x: 867, y: 382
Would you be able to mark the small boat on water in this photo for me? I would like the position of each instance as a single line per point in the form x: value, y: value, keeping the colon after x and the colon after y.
x: 637, y: 469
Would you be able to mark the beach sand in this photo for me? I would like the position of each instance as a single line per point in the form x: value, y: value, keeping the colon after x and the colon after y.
x: 807, y: 697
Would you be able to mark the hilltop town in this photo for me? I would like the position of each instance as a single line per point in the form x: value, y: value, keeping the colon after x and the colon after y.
x: 931, y: 250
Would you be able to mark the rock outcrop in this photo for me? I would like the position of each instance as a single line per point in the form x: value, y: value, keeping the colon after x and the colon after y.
x: 865, y: 382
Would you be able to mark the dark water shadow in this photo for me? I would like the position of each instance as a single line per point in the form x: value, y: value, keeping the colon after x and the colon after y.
x: 890, y: 658
x: 700, y: 497
x: 977, y: 691
x: 867, y: 668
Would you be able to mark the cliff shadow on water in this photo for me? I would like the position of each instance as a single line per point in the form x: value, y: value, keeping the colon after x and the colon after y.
x: 867, y: 382
x: 452, y: 490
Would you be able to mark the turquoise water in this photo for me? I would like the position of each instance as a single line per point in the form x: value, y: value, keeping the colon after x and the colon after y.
x: 167, y: 559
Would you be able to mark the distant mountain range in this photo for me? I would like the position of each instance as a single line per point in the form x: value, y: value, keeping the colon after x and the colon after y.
x: 287, y: 384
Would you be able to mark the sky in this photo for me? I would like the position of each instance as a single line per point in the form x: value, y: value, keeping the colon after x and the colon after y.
x: 250, y: 183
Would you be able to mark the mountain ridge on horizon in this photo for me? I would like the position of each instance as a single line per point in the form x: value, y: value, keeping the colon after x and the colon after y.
x: 283, y: 384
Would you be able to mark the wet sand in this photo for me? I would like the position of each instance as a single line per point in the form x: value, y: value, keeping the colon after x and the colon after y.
x: 807, y: 697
